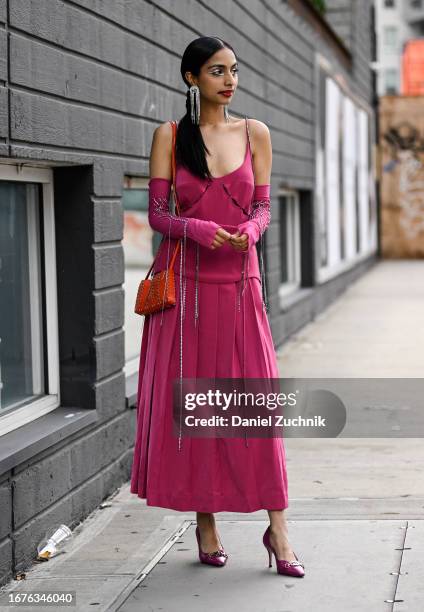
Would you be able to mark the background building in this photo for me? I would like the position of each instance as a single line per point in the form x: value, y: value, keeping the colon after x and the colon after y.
x: 400, y: 75
x: 83, y: 84
x: 413, y: 67
x: 397, y: 21
x: 402, y: 176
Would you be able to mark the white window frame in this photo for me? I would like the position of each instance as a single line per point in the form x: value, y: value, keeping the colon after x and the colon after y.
x: 293, y: 244
x: 390, y: 38
x: 394, y: 72
x: 34, y: 409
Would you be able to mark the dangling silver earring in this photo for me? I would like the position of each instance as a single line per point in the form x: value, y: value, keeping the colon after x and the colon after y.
x: 195, y: 104
x: 226, y: 116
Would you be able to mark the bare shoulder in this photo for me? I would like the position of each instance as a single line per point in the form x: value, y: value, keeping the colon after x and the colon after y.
x: 160, y: 155
x: 258, y: 127
x: 261, y: 151
x: 162, y: 136
x: 260, y: 134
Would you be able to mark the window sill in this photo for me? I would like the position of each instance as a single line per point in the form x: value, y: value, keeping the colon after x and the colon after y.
x: 288, y: 301
x: 30, y: 439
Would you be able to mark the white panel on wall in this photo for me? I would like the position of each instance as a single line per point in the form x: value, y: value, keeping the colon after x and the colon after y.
x: 349, y: 161
x: 363, y: 186
x: 332, y: 171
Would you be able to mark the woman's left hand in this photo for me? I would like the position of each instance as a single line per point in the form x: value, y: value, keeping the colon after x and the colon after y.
x: 239, y: 242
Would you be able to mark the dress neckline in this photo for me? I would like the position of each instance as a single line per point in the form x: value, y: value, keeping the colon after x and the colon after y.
x: 225, y: 176
x: 217, y: 178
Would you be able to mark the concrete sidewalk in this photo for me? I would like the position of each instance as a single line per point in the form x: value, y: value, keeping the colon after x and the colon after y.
x: 356, y: 505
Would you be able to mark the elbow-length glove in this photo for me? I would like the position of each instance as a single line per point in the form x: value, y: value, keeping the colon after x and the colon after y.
x: 255, y: 226
x: 259, y: 216
x: 163, y: 221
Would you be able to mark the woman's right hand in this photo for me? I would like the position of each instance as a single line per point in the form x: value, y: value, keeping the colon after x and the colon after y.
x: 221, y: 237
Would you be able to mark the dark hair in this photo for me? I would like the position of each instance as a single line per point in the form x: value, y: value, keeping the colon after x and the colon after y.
x: 190, y: 146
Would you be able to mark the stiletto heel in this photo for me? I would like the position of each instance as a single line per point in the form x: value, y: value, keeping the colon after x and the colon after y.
x: 289, y: 568
x: 217, y: 558
x: 270, y: 557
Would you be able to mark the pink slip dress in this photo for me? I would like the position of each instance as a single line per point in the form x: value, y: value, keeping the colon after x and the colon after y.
x: 218, y: 329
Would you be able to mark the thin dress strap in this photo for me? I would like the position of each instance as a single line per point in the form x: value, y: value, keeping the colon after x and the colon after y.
x: 248, y: 140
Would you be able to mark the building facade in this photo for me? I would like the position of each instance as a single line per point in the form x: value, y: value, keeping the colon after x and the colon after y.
x: 402, y: 177
x: 83, y: 84
x: 397, y: 21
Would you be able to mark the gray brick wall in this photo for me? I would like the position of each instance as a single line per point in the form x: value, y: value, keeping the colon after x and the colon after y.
x: 83, y: 84
x: 340, y: 15
x: 352, y: 23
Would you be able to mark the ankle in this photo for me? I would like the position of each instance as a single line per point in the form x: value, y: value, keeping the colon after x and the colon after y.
x: 206, y: 528
x: 205, y: 521
x: 278, y: 530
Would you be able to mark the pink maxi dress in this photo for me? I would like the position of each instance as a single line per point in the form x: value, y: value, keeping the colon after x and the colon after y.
x: 221, y: 332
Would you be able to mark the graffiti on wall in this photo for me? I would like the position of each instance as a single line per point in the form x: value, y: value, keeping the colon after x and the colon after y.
x: 406, y: 146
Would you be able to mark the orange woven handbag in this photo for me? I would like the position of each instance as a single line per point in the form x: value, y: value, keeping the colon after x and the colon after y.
x: 159, y: 291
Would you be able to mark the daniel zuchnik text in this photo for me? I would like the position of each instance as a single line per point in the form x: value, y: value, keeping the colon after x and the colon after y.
x: 272, y: 420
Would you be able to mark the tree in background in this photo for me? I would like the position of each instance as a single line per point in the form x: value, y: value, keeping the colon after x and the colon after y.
x: 319, y: 5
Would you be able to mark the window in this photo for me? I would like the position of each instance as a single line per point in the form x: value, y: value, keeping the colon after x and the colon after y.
x: 29, y: 370
x: 289, y: 241
x: 389, y: 3
x: 139, y: 243
x: 391, y: 81
x: 416, y: 4
x: 390, y: 38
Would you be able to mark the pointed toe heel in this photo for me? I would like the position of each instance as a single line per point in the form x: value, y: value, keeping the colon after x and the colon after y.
x: 288, y: 568
x: 217, y: 558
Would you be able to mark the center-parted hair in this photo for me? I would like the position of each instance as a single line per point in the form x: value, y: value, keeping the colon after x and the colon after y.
x: 190, y: 147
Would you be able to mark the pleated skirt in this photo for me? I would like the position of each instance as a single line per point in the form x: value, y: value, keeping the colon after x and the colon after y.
x: 206, y: 474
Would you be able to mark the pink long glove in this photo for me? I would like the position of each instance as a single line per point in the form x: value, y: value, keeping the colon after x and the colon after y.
x: 260, y: 215
x: 163, y: 221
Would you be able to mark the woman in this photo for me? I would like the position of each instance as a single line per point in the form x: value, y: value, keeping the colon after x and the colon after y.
x: 218, y: 328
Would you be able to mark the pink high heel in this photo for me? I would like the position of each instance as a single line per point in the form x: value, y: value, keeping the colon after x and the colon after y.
x: 217, y: 558
x: 289, y: 568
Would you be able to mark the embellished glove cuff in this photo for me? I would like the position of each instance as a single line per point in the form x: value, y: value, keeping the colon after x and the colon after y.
x: 259, y: 216
x: 163, y: 221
